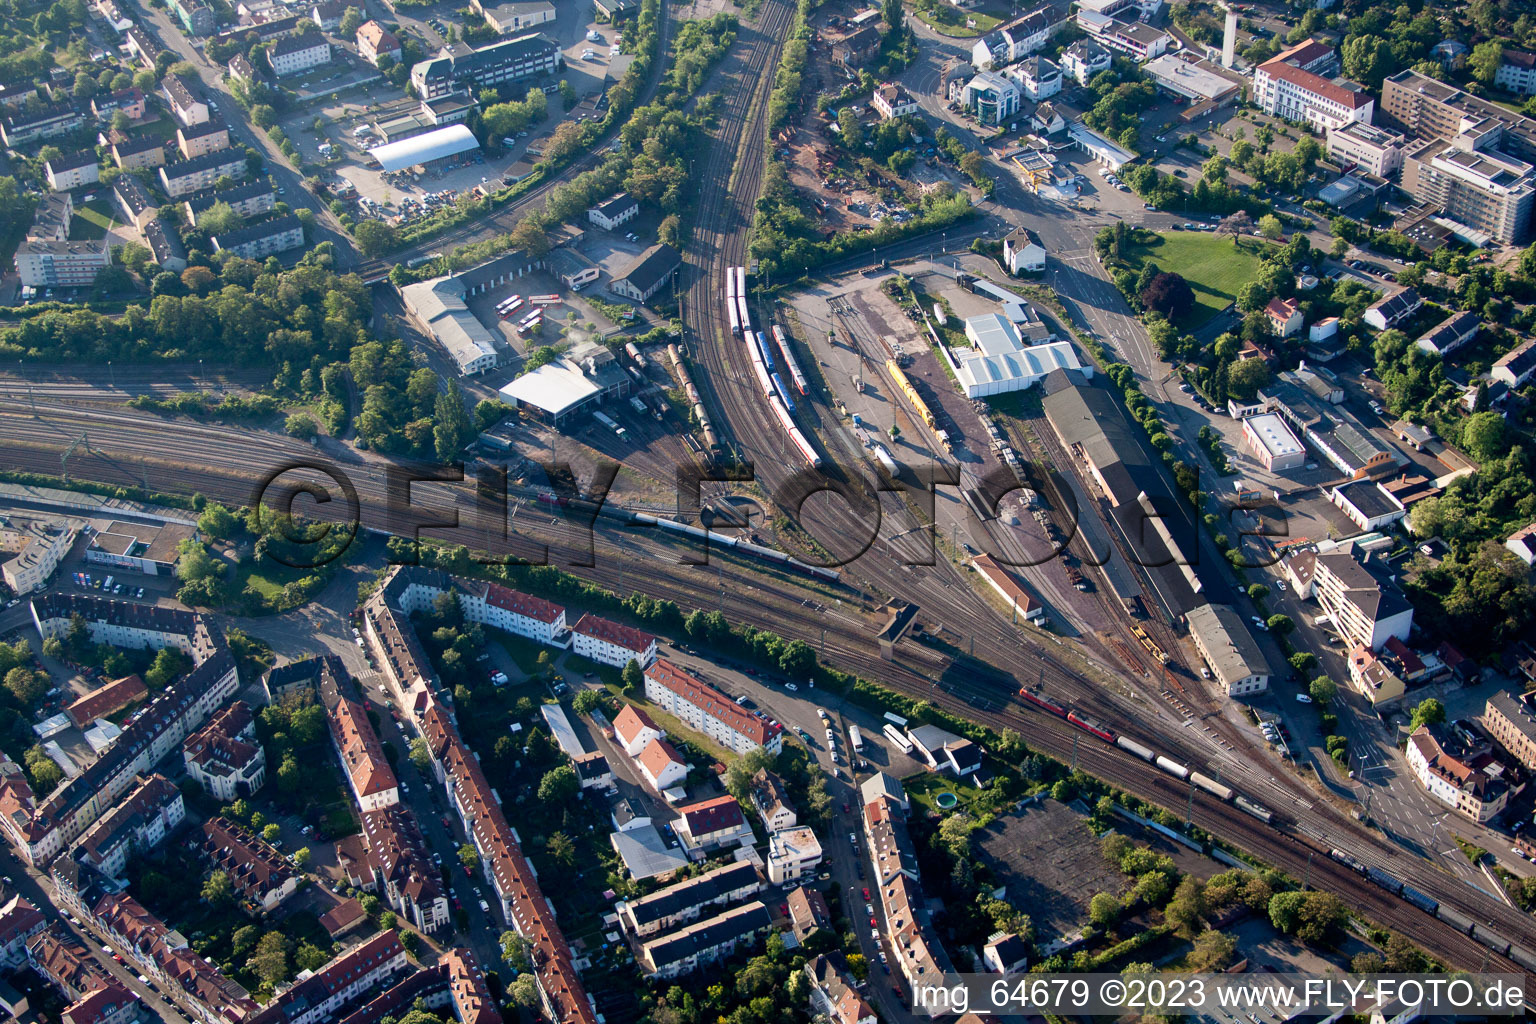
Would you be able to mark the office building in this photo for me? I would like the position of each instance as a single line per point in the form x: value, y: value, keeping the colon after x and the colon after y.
x: 1368, y: 148
x: 1292, y: 85
x: 461, y: 68
x: 1473, y: 184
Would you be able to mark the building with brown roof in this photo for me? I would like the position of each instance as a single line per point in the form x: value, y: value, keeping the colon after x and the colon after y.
x: 771, y: 801
x: 224, y: 755
x: 1289, y: 85
x: 455, y: 981
x: 352, y: 973
x: 398, y: 862
x: 808, y: 912
x: 369, y: 775
x: 258, y: 872
x: 711, y: 824
x: 150, y: 548
x: 834, y: 992
x: 107, y: 700
x: 612, y: 643
x: 64, y: 962
x: 375, y: 41
x: 151, y: 811
x: 342, y: 918
x: 19, y: 921
x: 110, y: 1004
x: 661, y: 765
x: 705, y: 709
x: 1468, y: 781
x: 634, y: 730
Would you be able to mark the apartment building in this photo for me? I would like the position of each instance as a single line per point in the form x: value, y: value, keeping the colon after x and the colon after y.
x: 610, y: 643
x: 1292, y: 85
x: 1393, y: 309
x: 296, y: 54
x: 916, y: 954
x: 36, y: 546
x: 317, y: 998
x: 454, y: 985
x: 771, y: 801
x: 1511, y: 721
x: 1039, y: 78
x: 133, y: 153
x: 72, y: 170
x: 151, y: 811
x: 91, y: 994
x: 685, y: 901
x: 1366, y: 147
x: 716, y: 823
x: 460, y: 68
x: 19, y: 922
x: 1474, y: 184
x: 22, y: 127
x: 513, y: 611
x: 368, y: 773
x: 1517, y: 72
x: 197, y: 18
x: 1467, y: 780
x: 202, y: 172
x: 891, y: 101
x: 1429, y: 108
x: 401, y: 867
x: 793, y: 854
x: 225, y: 757
x: 256, y: 870
x: 48, y: 264
x: 1365, y: 604
x: 1515, y: 367
x: 51, y: 218
x: 704, y: 942
x: 1018, y: 38
x: 133, y: 199
x: 1234, y: 660
x: 522, y: 901
x: 706, y: 710
x: 1083, y: 59
x: 262, y: 239
x: 374, y: 41
x: 834, y: 993
x: 129, y: 102
x: 186, y: 99
x: 251, y: 199
x: 165, y: 956
x: 209, y: 136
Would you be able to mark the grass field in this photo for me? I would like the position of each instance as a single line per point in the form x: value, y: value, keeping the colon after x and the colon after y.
x: 91, y: 221
x: 1214, y: 268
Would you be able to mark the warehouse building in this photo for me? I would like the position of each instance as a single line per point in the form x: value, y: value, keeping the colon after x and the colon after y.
x: 1272, y: 443
x: 1235, y: 662
x: 429, y: 152
x: 1001, y: 362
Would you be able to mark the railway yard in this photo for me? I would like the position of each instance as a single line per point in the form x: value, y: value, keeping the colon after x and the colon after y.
x: 939, y: 488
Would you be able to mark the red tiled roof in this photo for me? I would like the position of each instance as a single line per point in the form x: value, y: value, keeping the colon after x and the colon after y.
x: 1281, y: 309
x: 627, y: 637
x: 518, y: 603
x: 657, y: 755
x: 1278, y: 68
x: 114, y: 696
x: 707, y: 816
x: 102, y: 1004
x: 342, y: 916
x: 472, y: 1000
x: 361, y: 753
x: 629, y: 722
x: 711, y: 701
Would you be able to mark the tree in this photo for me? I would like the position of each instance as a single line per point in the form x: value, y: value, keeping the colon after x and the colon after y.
x: 1169, y: 294
x: 955, y: 834
x: 524, y: 991
x: 351, y: 21
x: 514, y: 951
x: 1186, y: 908
x: 26, y: 686
x: 451, y: 430
x: 270, y: 961
x: 421, y: 754
x: 891, y: 11
x: 309, y: 957
x: 1485, y: 60
x: 853, y: 132
x: 301, y: 857
x: 1323, y: 690
x: 217, y: 890
x: 169, y: 664
x: 1280, y: 624
x: 198, y: 280
x: 216, y: 522
x: 374, y: 237
x: 1212, y: 951
x: 301, y: 425
x: 561, y: 848
x: 1270, y: 226
x: 43, y: 771
x: 271, y: 832
x: 1367, y: 59
x: 388, y: 920
x: 1483, y: 434
x: 559, y: 785
x: 219, y: 218
x: 586, y: 702
x: 1104, y: 909
x: 1245, y: 377
x: 469, y: 856
x: 1428, y: 712
x: 631, y: 677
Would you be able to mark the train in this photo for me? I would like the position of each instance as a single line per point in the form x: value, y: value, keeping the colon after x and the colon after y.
x: 918, y: 405
x: 778, y: 383
x: 790, y: 362
x: 718, y: 540
x: 764, y: 350
x: 633, y: 351
x: 760, y: 370
x: 1259, y: 811
x: 807, y: 451
x: 1088, y: 725
x: 733, y: 311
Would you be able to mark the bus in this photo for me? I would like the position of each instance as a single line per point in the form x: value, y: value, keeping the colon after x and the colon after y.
x: 510, y: 300
x: 895, y: 719
x: 856, y: 740
x: 511, y: 309
x: 533, y: 314
x: 529, y: 326
x: 897, y: 739
x: 544, y: 300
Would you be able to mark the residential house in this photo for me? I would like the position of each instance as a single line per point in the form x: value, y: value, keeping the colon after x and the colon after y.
x: 661, y: 765
x: 1005, y: 953
x: 1515, y: 367
x: 1466, y: 779
x: 891, y: 101
x: 711, y: 824
x: 609, y: 643
x: 1022, y: 252
x: 793, y: 854
x: 858, y: 48
x: 1285, y: 317
x: 614, y: 211
x: 685, y: 901
x: 225, y: 757
x: 256, y: 870
x: 834, y: 993
x: 634, y: 730
x: 1083, y: 59
x: 771, y: 801
x: 705, y: 709
x: 808, y: 912
x: 375, y: 41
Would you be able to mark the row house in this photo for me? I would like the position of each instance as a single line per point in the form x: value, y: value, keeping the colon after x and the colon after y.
x: 399, y: 864
x: 256, y: 870
x: 368, y: 773
x: 344, y: 980
x: 456, y: 983
x: 91, y: 993
x: 1511, y: 721
x: 704, y: 942
x: 224, y: 755
x: 610, y: 643
x: 687, y: 900
x: 706, y: 710
x: 522, y: 901
x: 149, y: 813
x: 917, y: 953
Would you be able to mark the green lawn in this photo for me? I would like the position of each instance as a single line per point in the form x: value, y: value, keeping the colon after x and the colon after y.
x: 984, y: 23
x: 1212, y: 265
x: 925, y: 787
x: 92, y: 220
